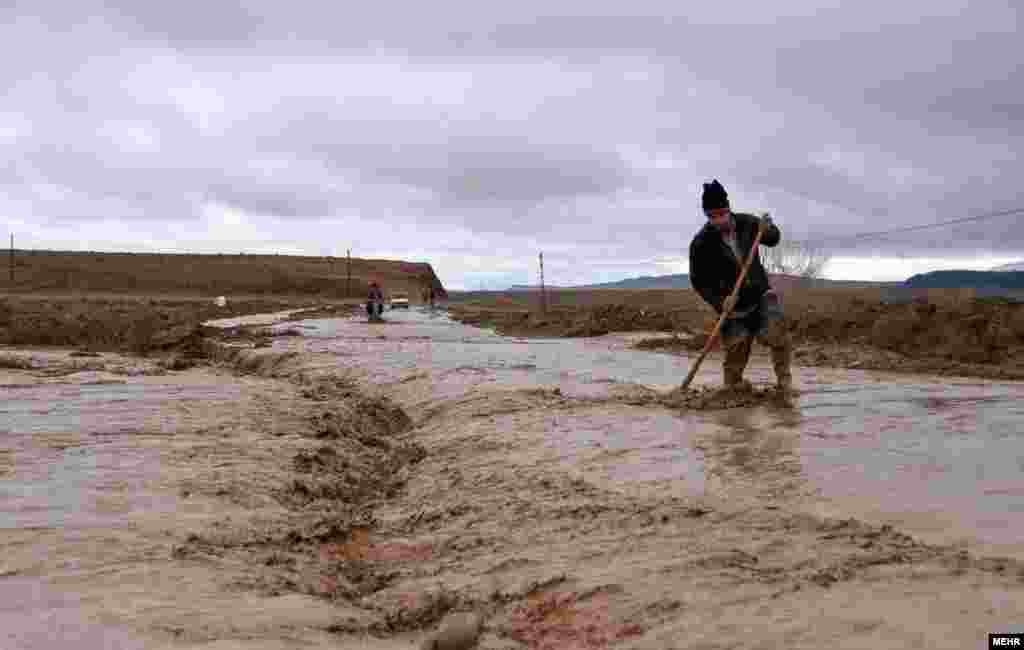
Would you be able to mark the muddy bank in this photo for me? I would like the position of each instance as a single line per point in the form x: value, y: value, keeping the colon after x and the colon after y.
x: 358, y: 457
x: 982, y: 338
x: 112, y: 323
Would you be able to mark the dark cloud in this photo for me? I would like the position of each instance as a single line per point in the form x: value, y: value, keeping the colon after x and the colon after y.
x: 500, y: 129
x: 489, y: 170
x: 260, y: 199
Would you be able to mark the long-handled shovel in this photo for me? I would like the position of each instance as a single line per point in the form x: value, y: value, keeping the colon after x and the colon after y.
x: 735, y: 290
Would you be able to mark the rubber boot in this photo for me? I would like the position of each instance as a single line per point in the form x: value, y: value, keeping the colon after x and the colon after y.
x: 781, y: 358
x: 737, y: 354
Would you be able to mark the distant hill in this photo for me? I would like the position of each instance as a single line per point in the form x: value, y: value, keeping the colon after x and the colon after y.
x: 673, y: 281
x: 853, y: 284
x: 41, y: 271
x: 682, y: 281
x: 988, y: 280
x: 985, y: 283
x: 533, y: 287
x: 1013, y: 266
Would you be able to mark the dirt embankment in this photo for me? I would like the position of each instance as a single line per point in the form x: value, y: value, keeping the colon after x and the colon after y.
x: 127, y: 324
x: 982, y: 337
x: 157, y: 274
x: 357, y: 457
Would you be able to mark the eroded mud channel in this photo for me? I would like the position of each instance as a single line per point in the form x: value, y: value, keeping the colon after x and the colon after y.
x: 356, y: 485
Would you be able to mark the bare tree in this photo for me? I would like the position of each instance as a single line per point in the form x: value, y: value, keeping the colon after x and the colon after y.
x: 795, y: 257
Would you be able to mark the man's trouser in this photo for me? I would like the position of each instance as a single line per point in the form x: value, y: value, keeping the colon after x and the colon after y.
x: 766, y: 324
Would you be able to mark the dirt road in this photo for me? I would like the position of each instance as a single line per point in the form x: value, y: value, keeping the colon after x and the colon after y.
x: 352, y: 486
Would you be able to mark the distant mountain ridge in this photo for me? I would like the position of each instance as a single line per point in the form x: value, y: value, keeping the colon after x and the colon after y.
x: 674, y: 281
x: 985, y: 281
x: 1013, y: 266
x: 682, y: 281
x: 1008, y: 280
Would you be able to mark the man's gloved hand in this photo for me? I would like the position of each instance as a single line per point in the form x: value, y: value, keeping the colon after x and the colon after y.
x: 729, y: 304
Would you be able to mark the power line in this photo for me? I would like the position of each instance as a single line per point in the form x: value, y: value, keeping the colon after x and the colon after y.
x: 978, y: 217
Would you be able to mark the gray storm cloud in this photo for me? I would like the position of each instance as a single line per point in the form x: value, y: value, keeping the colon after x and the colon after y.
x: 523, y: 121
x: 484, y: 170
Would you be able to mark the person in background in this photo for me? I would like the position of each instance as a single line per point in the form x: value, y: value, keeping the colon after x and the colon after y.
x: 375, y: 301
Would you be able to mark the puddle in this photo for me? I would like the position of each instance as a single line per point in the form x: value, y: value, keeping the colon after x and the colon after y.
x: 73, y: 467
x: 905, y: 446
x: 64, y: 444
x: 89, y: 408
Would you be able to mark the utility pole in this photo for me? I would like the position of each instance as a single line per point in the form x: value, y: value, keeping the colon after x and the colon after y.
x: 348, y: 285
x: 543, y: 291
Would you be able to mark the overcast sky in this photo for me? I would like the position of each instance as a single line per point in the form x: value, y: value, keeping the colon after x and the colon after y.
x: 474, y: 135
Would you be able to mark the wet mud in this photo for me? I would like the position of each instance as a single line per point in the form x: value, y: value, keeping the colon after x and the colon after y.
x: 364, y: 485
x: 121, y: 323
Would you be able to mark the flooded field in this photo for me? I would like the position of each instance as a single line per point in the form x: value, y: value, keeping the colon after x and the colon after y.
x: 150, y: 508
x: 949, y: 448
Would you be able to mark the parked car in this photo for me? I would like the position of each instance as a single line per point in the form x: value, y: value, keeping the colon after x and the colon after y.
x: 399, y: 301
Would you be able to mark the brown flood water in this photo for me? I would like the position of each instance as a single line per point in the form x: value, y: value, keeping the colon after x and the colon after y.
x: 939, y: 457
x: 72, y: 471
x: 84, y: 475
x: 92, y: 470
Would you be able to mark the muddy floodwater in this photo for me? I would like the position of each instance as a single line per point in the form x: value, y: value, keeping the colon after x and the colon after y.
x: 144, y: 508
x: 942, y: 457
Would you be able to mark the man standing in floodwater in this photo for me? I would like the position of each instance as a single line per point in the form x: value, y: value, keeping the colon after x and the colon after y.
x: 717, y: 255
x: 375, y: 302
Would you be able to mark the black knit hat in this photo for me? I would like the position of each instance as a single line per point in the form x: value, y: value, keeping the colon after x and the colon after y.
x: 714, y: 196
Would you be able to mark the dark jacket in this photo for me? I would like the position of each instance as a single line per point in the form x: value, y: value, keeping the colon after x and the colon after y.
x: 714, y: 268
x: 375, y: 295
